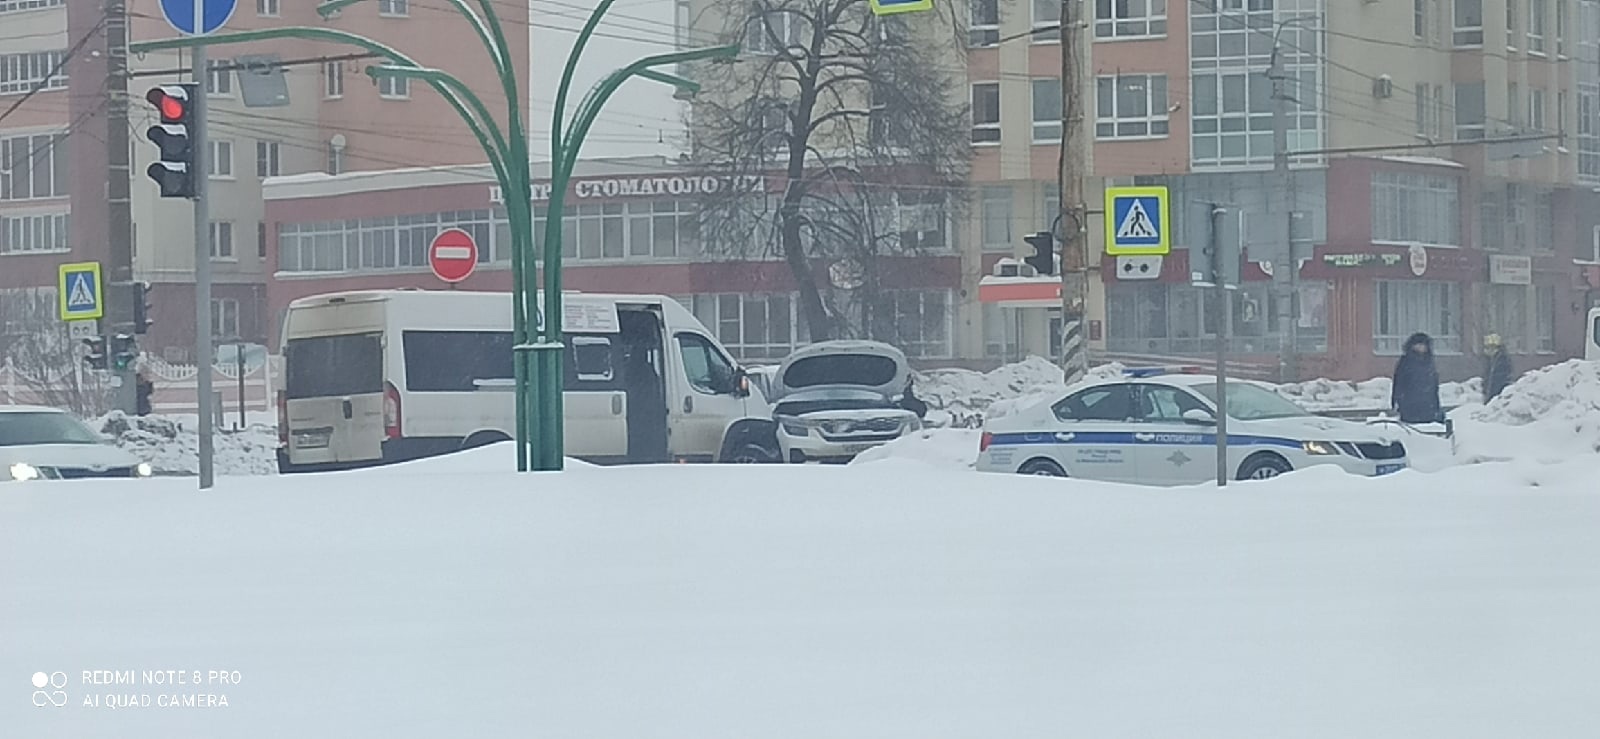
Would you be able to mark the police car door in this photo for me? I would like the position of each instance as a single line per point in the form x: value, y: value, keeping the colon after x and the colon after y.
x: 1092, y: 440
x: 1171, y: 449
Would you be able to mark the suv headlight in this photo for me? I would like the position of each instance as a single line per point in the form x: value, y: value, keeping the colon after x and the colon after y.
x: 794, y: 426
x: 143, y: 469
x: 1319, y: 448
x: 23, y: 472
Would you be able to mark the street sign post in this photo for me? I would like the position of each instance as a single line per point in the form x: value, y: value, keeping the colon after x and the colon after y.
x: 1138, y: 221
x: 79, y: 286
x: 453, y: 255
x: 213, y: 14
x: 195, y: 18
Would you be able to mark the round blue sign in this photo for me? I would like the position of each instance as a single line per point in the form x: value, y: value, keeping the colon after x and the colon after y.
x: 214, y: 14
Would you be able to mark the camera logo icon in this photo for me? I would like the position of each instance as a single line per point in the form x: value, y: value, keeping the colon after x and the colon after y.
x: 49, y: 689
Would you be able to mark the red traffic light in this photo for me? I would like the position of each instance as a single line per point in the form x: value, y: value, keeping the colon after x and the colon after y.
x: 172, y: 102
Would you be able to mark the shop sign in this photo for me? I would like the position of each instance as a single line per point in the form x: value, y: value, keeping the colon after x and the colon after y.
x: 646, y: 187
x: 1510, y: 269
x: 1361, y: 260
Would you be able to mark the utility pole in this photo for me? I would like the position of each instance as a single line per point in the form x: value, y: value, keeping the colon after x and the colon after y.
x: 1224, y: 308
x: 1286, y: 278
x: 203, y: 354
x: 1074, y: 248
x: 119, y: 208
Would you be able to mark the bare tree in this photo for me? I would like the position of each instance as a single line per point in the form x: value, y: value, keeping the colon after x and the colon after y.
x: 47, y: 362
x: 862, y: 120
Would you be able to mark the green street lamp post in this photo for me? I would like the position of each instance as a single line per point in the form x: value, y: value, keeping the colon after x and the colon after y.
x: 537, y: 350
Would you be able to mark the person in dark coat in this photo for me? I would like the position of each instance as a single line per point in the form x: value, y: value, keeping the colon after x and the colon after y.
x: 910, y: 402
x: 1415, y: 392
x: 1496, y: 367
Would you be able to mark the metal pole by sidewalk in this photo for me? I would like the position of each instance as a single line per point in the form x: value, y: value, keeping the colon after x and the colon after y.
x: 1219, y: 293
x: 202, y: 259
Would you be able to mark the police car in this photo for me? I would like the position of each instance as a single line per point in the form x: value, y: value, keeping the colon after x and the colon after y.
x: 1158, y: 428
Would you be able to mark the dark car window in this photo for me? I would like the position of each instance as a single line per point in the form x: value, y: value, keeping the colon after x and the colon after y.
x: 1103, y: 403
x: 44, y: 427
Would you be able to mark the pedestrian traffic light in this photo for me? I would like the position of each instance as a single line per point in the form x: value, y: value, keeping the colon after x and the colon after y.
x: 123, y: 351
x: 141, y: 307
x: 95, y: 358
x: 1043, y: 259
x: 174, y: 172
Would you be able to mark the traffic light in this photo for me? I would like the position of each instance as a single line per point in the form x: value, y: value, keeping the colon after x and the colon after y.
x: 123, y: 351
x: 174, y: 173
x: 95, y: 358
x: 141, y: 307
x: 1043, y: 259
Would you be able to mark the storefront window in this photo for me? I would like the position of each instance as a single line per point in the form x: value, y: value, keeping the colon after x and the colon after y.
x: 1182, y: 319
x: 1404, y: 307
x: 1412, y: 208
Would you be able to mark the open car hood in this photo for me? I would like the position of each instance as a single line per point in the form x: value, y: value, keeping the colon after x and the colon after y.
x: 843, y: 366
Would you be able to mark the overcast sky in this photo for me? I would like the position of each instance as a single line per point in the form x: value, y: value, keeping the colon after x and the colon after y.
x: 641, y: 118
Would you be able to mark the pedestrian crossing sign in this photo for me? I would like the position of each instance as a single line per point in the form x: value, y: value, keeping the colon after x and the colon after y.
x: 1138, y: 221
x: 79, y: 288
x: 890, y: 7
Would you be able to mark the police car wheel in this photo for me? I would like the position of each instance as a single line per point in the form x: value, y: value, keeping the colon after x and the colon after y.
x: 1041, y: 468
x: 1264, y: 467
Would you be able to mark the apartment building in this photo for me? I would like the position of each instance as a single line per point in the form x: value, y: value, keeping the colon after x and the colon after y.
x: 325, y: 116
x: 1459, y: 241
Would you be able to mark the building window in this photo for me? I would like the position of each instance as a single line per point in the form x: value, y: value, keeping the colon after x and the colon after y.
x: 642, y: 229
x: 1536, y: 26
x: 1404, y: 307
x: 394, y: 8
x: 986, y: 112
x: 1131, y: 107
x: 335, y: 164
x: 1049, y: 206
x: 1468, y: 23
x: 222, y: 240
x: 224, y: 318
x: 267, y: 8
x: 42, y: 70
x: 33, y: 167
x: 394, y: 88
x: 1047, y: 111
x: 1536, y: 109
x: 219, y: 77
x: 219, y: 162
x: 1561, y: 27
x: 983, y: 27
x: 751, y: 326
x: 261, y: 239
x: 1511, y: 24
x: 379, y: 243
x: 17, y: 6
x: 33, y: 233
x: 1419, y: 18
x: 333, y: 80
x: 1505, y: 312
x: 995, y: 216
x: 1544, y: 319
x: 772, y: 31
x: 916, y: 321
x: 1470, y: 111
x: 268, y: 163
x: 1046, y: 21
x: 1130, y: 18
x: 1001, y: 335
x: 1182, y: 319
x: 1514, y: 105
x: 1416, y: 209
x: 1589, y: 133
x: 1231, y: 102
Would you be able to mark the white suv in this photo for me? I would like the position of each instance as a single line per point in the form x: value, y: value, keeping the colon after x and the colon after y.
x: 836, y: 399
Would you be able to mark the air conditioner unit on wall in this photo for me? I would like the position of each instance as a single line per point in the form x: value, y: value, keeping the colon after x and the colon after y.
x: 1383, y: 87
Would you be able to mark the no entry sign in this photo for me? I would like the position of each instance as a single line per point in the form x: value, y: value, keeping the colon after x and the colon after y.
x: 453, y: 255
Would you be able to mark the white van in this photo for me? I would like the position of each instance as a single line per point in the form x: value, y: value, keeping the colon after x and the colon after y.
x: 375, y: 377
x: 1591, y: 335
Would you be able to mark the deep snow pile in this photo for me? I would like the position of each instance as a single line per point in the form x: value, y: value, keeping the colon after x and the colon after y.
x: 1548, y: 414
x: 962, y: 398
x: 888, y: 601
x: 1324, y: 394
x: 173, y: 447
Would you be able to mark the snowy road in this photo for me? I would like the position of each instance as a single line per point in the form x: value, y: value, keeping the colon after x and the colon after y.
x: 880, y: 600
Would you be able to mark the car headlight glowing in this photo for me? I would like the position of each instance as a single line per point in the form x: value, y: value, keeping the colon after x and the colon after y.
x: 22, y: 471
x: 143, y: 469
x: 1319, y: 448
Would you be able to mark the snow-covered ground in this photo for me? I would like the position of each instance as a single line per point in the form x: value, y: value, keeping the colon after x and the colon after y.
x: 885, y: 600
x: 172, y: 445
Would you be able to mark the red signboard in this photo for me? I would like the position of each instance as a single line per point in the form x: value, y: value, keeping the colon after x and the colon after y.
x: 453, y: 255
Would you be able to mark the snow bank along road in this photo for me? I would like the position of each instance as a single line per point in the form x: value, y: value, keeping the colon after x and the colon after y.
x: 883, y: 600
